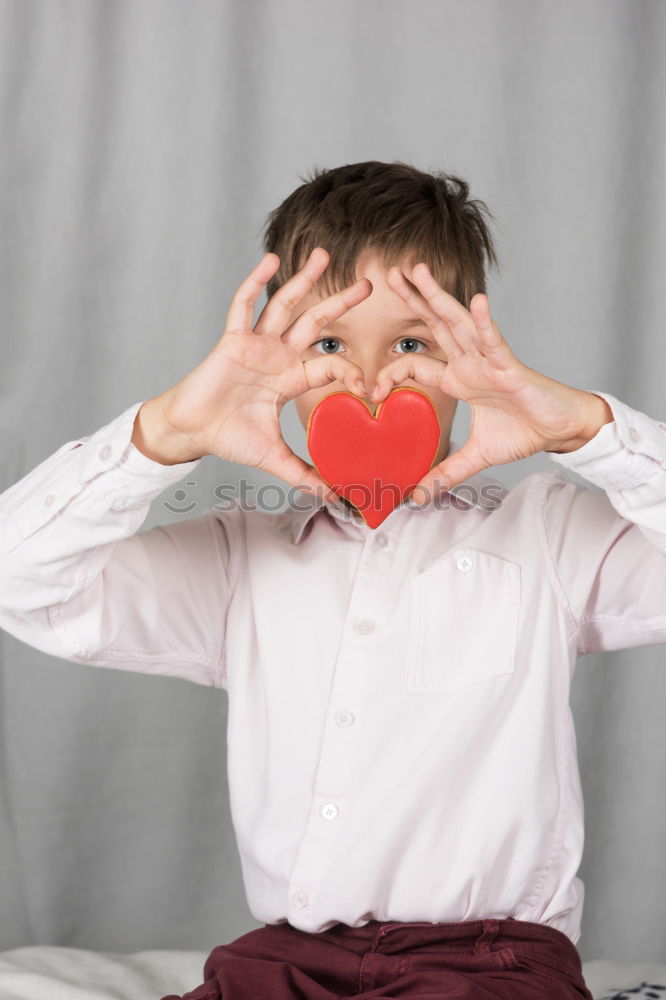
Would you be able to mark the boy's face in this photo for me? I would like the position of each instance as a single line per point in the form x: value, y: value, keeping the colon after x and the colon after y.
x: 372, y: 334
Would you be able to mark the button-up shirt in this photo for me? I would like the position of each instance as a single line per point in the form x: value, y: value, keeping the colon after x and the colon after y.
x: 400, y: 740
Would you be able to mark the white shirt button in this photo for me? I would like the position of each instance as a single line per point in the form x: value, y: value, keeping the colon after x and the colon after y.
x: 365, y: 627
x: 329, y: 811
x: 344, y: 717
x: 382, y: 541
x: 299, y: 898
x: 105, y: 452
x: 464, y: 563
x: 633, y: 434
x: 48, y: 500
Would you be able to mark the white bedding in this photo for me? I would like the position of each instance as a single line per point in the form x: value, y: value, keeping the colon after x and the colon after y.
x: 56, y: 973
x: 42, y: 972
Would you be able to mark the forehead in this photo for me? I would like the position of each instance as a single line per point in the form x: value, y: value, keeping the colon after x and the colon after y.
x: 382, y: 301
x: 370, y: 264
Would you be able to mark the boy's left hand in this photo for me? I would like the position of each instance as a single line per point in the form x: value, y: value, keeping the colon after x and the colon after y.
x: 516, y: 411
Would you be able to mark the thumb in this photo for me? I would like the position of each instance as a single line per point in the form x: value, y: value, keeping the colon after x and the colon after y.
x: 293, y: 470
x: 447, y: 474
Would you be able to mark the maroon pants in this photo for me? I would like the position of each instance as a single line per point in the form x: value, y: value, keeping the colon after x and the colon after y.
x: 475, y: 960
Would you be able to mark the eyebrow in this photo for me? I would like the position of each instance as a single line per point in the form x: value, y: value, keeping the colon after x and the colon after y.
x: 411, y: 322
x: 402, y: 325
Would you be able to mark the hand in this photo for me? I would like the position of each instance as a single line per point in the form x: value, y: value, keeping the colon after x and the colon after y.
x: 516, y: 411
x: 230, y: 404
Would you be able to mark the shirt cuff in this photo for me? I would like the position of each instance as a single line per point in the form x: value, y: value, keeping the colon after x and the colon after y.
x: 116, y: 474
x: 623, y: 453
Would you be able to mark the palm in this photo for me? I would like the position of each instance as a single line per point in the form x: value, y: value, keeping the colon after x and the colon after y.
x: 254, y: 375
x: 516, y: 411
x: 500, y: 392
x: 230, y: 404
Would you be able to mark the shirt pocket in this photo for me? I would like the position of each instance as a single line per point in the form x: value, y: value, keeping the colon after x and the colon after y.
x: 464, y: 613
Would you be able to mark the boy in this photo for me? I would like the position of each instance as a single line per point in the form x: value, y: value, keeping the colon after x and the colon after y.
x: 402, y: 758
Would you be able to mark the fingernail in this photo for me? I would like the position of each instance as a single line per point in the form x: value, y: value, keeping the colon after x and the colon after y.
x: 361, y: 387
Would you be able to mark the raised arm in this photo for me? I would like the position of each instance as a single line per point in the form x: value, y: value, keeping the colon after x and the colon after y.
x: 76, y: 579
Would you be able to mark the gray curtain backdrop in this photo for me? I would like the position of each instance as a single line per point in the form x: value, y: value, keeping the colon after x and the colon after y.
x: 143, y: 143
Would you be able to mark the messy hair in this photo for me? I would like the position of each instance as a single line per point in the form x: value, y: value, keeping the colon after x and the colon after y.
x: 393, y: 208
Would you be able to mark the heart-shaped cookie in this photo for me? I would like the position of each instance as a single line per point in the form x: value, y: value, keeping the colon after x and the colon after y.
x: 374, y: 461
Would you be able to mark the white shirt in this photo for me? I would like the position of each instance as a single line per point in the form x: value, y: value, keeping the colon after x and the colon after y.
x: 400, y: 741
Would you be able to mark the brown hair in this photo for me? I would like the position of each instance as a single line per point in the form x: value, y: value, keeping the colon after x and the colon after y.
x: 391, y: 207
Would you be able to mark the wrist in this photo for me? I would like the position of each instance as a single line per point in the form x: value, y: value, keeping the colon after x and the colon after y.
x: 597, y: 412
x: 157, y: 440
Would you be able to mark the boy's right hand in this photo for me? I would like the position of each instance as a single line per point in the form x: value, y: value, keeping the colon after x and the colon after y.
x: 230, y: 404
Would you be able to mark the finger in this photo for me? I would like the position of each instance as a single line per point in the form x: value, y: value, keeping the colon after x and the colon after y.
x: 446, y: 306
x: 447, y: 474
x: 494, y: 346
x: 396, y: 280
x: 276, y: 314
x: 305, y: 329
x: 480, y: 312
x: 426, y: 370
x: 241, y: 310
x: 328, y: 368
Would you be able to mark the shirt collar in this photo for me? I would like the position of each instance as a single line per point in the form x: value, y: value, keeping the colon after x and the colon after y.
x: 309, y: 506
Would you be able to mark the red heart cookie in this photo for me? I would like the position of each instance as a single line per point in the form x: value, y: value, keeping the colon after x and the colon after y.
x: 374, y: 461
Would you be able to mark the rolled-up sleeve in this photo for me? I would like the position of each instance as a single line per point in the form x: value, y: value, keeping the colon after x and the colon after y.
x: 77, y: 580
x: 608, y: 546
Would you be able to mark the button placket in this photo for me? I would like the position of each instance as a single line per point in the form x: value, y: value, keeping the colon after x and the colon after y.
x: 334, y: 771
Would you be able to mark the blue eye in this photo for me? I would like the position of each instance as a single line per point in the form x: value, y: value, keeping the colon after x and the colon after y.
x: 334, y: 340
x: 326, y: 340
x: 412, y: 340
